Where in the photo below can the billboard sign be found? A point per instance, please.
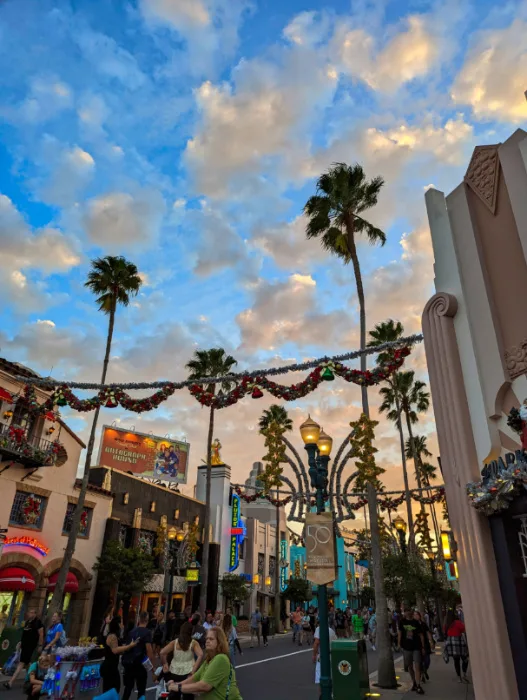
(144, 455)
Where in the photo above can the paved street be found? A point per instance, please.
(282, 671)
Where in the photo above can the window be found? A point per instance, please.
(22, 418)
(146, 541)
(261, 563)
(85, 523)
(241, 549)
(28, 510)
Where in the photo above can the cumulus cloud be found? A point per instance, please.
(47, 97)
(408, 55)
(71, 170)
(258, 121)
(286, 243)
(118, 219)
(308, 28)
(493, 78)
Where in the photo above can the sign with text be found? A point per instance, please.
(237, 533)
(321, 554)
(144, 455)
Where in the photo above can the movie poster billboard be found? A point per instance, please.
(144, 455)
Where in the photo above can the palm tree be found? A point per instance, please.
(209, 363)
(386, 332)
(276, 415)
(343, 193)
(114, 280)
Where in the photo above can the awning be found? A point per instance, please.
(16, 579)
(72, 585)
(5, 395)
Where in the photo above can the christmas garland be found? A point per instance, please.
(112, 396)
(17, 437)
(251, 497)
(493, 495)
(391, 504)
(437, 497)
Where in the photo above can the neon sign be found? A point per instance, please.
(283, 565)
(30, 542)
(237, 533)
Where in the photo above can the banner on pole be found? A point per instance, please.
(321, 552)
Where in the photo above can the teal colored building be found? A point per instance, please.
(343, 592)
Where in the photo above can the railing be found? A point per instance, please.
(30, 450)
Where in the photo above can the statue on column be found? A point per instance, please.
(216, 459)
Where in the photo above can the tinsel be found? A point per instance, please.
(422, 529)
(404, 343)
(437, 497)
(493, 495)
(391, 504)
(274, 457)
(364, 452)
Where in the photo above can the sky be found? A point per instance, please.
(187, 136)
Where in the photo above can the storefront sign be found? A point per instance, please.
(30, 542)
(192, 575)
(493, 469)
(237, 533)
(283, 565)
(321, 555)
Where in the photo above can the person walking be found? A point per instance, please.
(110, 675)
(32, 638)
(158, 634)
(306, 629)
(135, 660)
(209, 621)
(230, 633)
(429, 645)
(358, 626)
(316, 651)
(456, 645)
(266, 624)
(215, 678)
(55, 636)
(170, 627)
(340, 624)
(256, 619)
(296, 619)
(186, 658)
(198, 631)
(411, 641)
(228, 611)
(372, 630)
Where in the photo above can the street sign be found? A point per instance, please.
(321, 554)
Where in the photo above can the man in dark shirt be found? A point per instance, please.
(411, 641)
(32, 636)
(133, 660)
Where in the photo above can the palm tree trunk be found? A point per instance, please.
(206, 521)
(408, 497)
(58, 594)
(277, 569)
(386, 669)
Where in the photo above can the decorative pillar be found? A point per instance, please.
(490, 652)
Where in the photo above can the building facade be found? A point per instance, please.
(36, 507)
(475, 329)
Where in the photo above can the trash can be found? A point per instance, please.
(349, 669)
(8, 641)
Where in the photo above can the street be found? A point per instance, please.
(281, 671)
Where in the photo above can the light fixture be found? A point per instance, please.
(357, 575)
(8, 414)
(310, 431)
(172, 533)
(430, 555)
(51, 430)
(267, 580)
(445, 543)
(180, 536)
(256, 579)
(153, 507)
(324, 443)
(399, 524)
(126, 498)
(176, 514)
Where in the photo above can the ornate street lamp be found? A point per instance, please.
(318, 447)
(400, 526)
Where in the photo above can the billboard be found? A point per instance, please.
(144, 455)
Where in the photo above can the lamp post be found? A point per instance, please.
(318, 447)
(400, 526)
(174, 539)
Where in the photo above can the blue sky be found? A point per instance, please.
(187, 136)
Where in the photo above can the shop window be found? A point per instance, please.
(146, 541)
(85, 523)
(28, 510)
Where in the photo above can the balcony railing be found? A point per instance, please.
(29, 450)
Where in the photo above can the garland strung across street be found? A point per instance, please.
(251, 497)
(111, 396)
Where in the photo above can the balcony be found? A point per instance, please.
(30, 451)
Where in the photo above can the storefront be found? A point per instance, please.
(70, 589)
(16, 586)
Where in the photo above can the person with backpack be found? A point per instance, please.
(139, 659)
(32, 638)
(340, 624)
(55, 636)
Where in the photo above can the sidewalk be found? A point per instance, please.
(443, 683)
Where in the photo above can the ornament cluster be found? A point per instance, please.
(492, 495)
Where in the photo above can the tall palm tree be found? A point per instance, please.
(278, 415)
(343, 193)
(209, 363)
(114, 280)
(386, 332)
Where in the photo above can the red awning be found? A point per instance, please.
(72, 585)
(5, 395)
(50, 416)
(16, 579)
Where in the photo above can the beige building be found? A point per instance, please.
(475, 330)
(36, 507)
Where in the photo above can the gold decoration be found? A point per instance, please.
(215, 458)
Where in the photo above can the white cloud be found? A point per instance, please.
(108, 58)
(307, 28)
(47, 97)
(287, 242)
(493, 78)
(118, 219)
(408, 55)
(179, 13)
